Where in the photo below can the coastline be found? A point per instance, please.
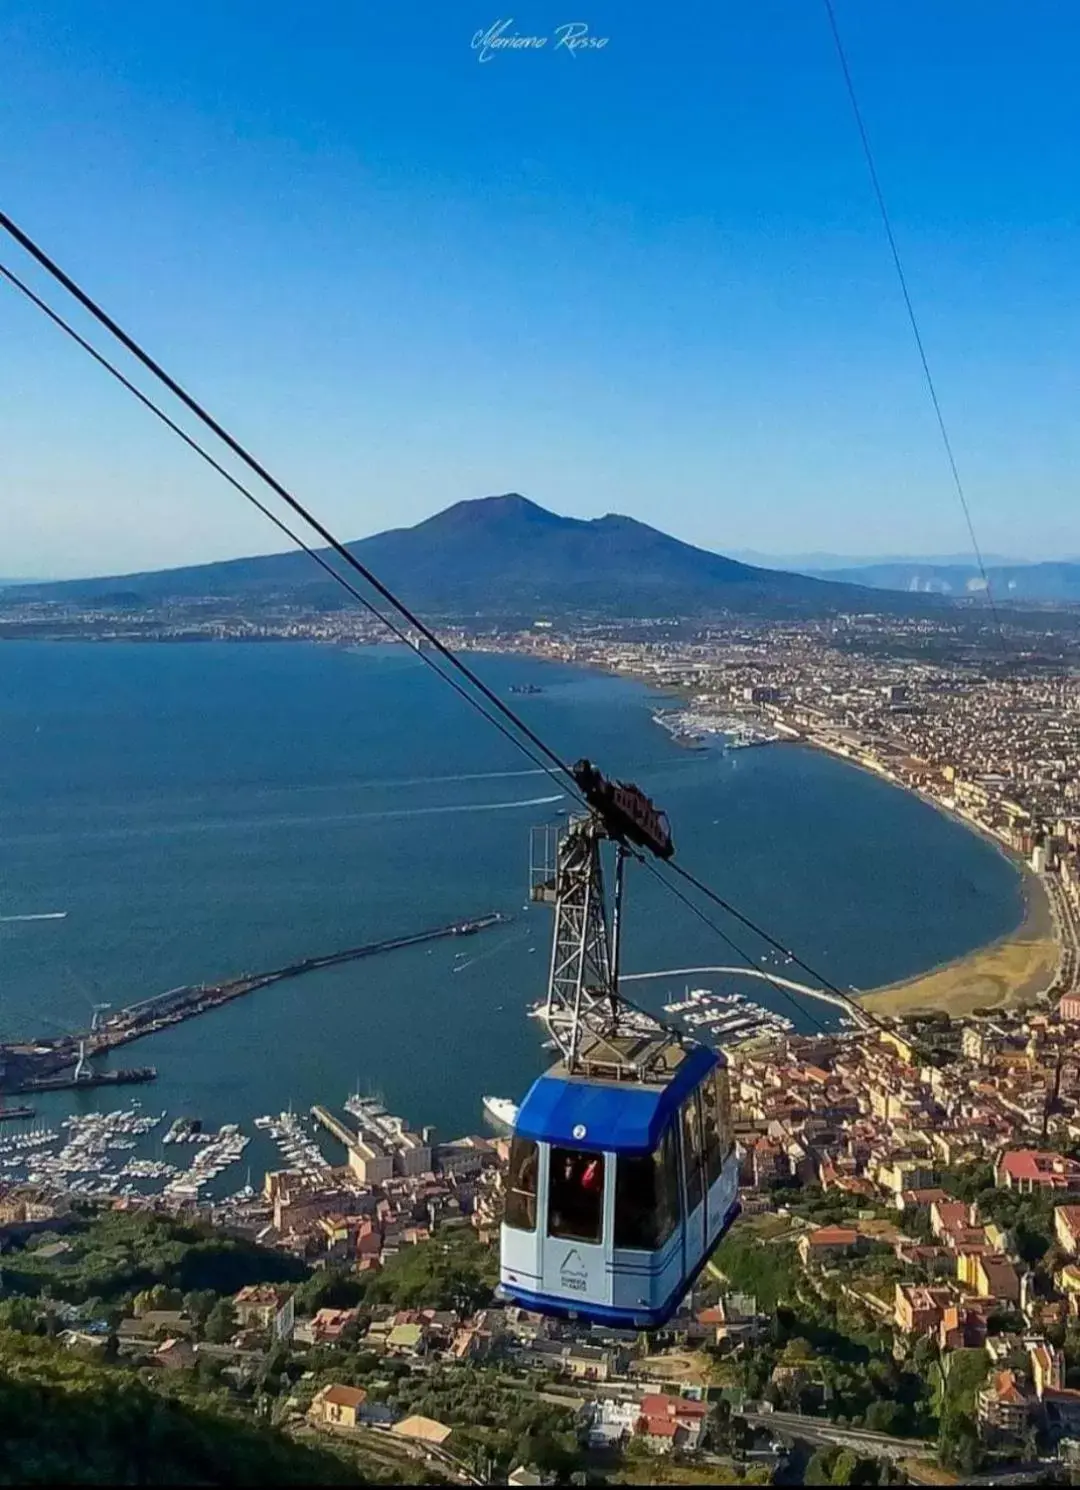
(1003, 972)
(1006, 972)
(1010, 970)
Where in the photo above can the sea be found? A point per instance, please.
(202, 810)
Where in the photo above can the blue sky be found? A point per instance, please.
(648, 279)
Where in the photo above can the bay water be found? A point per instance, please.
(201, 810)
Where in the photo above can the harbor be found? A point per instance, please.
(62, 1062)
(694, 728)
(726, 1019)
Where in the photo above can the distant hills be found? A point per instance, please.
(1055, 583)
(829, 564)
(497, 556)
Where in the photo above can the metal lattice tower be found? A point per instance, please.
(583, 1008)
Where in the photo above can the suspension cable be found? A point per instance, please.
(555, 762)
(313, 553)
(920, 347)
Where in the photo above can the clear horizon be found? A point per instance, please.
(650, 279)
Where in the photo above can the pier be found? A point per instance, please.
(327, 1119)
(23, 1064)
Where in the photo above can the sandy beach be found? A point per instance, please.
(1005, 973)
(1002, 974)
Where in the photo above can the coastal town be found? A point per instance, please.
(995, 744)
(902, 1290)
(900, 1299)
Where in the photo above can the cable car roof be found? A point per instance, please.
(622, 1116)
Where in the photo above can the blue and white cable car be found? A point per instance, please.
(618, 1192)
(623, 1174)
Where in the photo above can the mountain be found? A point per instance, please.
(499, 556)
(1056, 583)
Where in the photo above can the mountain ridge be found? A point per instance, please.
(498, 555)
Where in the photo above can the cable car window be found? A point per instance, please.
(576, 1195)
(647, 1196)
(710, 1117)
(691, 1136)
(723, 1108)
(521, 1185)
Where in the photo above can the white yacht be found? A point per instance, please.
(501, 1109)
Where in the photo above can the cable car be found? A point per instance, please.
(618, 1191)
(623, 1175)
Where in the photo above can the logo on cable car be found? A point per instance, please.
(573, 1274)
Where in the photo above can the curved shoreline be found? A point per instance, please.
(1006, 971)
(1009, 970)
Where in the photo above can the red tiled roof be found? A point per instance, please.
(345, 1396)
(660, 1427)
(833, 1236)
(657, 1405)
(1006, 1390)
(1042, 1168)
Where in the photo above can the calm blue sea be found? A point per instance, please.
(201, 810)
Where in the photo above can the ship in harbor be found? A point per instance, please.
(63, 1081)
(501, 1110)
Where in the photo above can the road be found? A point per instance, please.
(1068, 927)
(820, 1430)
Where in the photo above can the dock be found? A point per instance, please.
(23, 1064)
(326, 1119)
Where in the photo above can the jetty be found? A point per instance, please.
(23, 1064)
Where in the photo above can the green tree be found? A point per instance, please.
(958, 1443)
(18, 1314)
(69, 1422)
(886, 1417)
(819, 1468)
(221, 1322)
(851, 1469)
(198, 1303)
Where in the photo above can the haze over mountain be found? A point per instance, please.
(828, 563)
(502, 555)
(1050, 583)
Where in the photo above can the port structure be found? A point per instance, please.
(34, 1065)
(593, 1027)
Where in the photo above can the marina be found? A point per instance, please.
(727, 1019)
(94, 1156)
(298, 1149)
(695, 727)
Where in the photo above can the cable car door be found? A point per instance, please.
(575, 1256)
